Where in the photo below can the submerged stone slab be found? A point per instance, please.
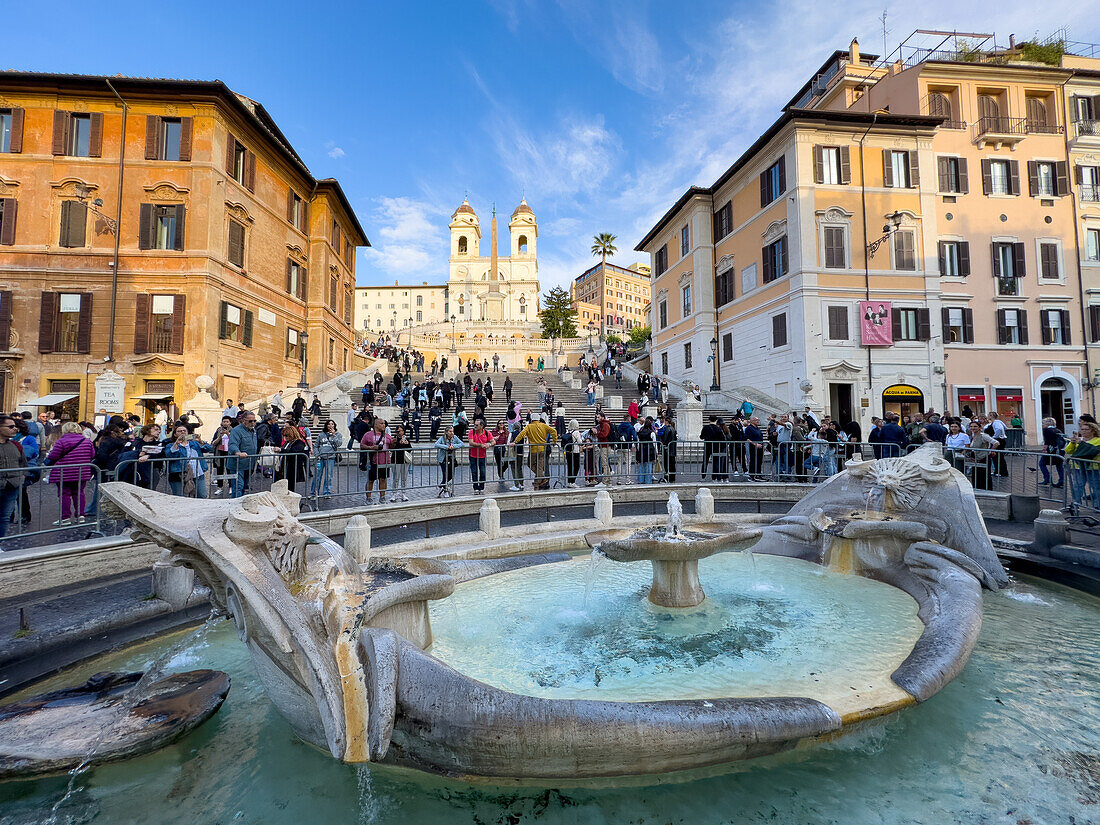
(110, 717)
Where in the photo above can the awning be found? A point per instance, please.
(153, 396)
(49, 400)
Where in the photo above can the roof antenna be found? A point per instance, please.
(885, 31)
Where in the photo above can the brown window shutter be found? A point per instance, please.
(7, 221)
(945, 322)
(924, 324)
(95, 135)
(250, 171)
(964, 258)
(223, 320)
(290, 205)
(987, 176)
(782, 174)
(47, 322)
(305, 217)
(1002, 327)
(145, 226)
(179, 314)
(236, 244)
(914, 169)
(996, 260)
(1094, 324)
(289, 263)
(5, 319)
(887, 169)
(60, 135)
(964, 180)
(968, 326)
(1061, 178)
(1043, 328)
(181, 221)
(943, 166)
(152, 139)
(303, 283)
(1019, 264)
(819, 165)
(1033, 178)
(763, 189)
(246, 333)
(74, 224)
(766, 268)
(186, 128)
(84, 330)
(1067, 337)
(230, 155)
(1021, 315)
(845, 165)
(66, 220)
(1014, 177)
(942, 250)
(16, 143)
(895, 323)
(143, 318)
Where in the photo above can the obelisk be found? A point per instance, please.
(493, 301)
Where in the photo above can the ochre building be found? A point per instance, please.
(614, 298)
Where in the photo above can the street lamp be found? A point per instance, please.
(454, 320)
(591, 328)
(888, 229)
(714, 359)
(303, 340)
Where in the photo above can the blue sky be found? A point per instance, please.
(602, 113)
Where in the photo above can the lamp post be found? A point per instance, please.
(303, 340)
(454, 320)
(591, 328)
(714, 359)
(888, 229)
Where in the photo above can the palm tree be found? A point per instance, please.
(604, 245)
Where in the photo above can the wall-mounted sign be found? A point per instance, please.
(900, 392)
(875, 324)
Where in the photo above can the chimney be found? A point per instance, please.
(853, 51)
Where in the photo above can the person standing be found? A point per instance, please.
(1054, 442)
(326, 448)
(619, 377)
(571, 442)
(377, 443)
(71, 459)
(277, 403)
(185, 453)
(479, 440)
(894, 439)
(243, 449)
(754, 446)
(231, 411)
(435, 416)
(496, 363)
(507, 388)
(712, 437)
(401, 466)
(295, 455)
(647, 452)
(446, 447)
(538, 435)
(12, 461)
(298, 406)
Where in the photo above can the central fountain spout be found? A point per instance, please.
(674, 553)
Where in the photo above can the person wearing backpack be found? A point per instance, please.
(1054, 444)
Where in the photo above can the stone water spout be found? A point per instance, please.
(674, 553)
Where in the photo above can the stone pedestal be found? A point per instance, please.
(489, 519)
(357, 538)
(689, 419)
(704, 504)
(171, 583)
(1051, 529)
(205, 407)
(676, 584)
(613, 402)
(339, 408)
(604, 508)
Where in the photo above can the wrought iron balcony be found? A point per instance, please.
(1000, 130)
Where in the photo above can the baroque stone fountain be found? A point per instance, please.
(341, 643)
(674, 553)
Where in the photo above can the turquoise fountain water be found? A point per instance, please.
(1015, 738)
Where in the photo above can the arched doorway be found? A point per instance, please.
(1056, 401)
(903, 399)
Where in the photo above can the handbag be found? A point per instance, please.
(268, 459)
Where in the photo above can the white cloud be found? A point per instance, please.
(336, 153)
(616, 34)
(574, 156)
(411, 239)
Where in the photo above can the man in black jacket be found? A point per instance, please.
(713, 440)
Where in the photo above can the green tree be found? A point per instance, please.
(559, 319)
(639, 335)
(613, 339)
(604, 245)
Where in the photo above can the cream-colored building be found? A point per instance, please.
(381, 310)
(614, 298)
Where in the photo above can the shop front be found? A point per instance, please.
(903, 399)
(970, 401)
(61, 399)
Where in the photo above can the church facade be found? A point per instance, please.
(490, 287)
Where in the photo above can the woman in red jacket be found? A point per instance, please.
(479, 439)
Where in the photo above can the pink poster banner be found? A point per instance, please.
(875, 324)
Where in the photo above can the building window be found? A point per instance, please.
(170, 138)
(333, 286)
(240, 162)
(954, 259)
(1008, 266)
(687, 356)
(1047, 179)
(775, 259)
(1055, 326)
(167, 138)
(6, 123)
(684, 242)
(838, 323)
(779, 330)
(1049, 265)
(331, 350)
(1088, 178)
(836, 252)
(80, 134)
(347, 306)
(662, 314)
(236, 243)
(723, 221)
(462, 245)
(660, 264)
(74, 223)
(773, 182)
(419, 316)
(1084, 110)
(1011, 326)
(911, 324)
(899, 168)
(68, 322)
(723, 286)
(295, 210)
(664, 363)
(523, 309)
(461, 309)
(1036, 111)
(832, 165)
(727, 346)
(296, 279)
(161, 227)
(420, 300)
(958, 325)
(1094, 324)
(905, 250)
(1092, 245)
(235, 324)
(1000, 177)
(162, 311)
(952, 175)
(939, 105)
(7, 221)
(686, 295)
